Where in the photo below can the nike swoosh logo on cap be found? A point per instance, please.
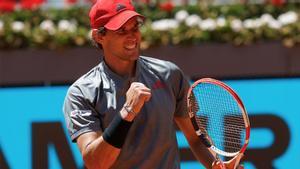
(120, 7)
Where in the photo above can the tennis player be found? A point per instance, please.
(121, 113)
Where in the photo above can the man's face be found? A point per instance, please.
(123, 43)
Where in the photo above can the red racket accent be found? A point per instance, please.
(219, 117)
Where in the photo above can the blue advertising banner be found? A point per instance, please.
(33, 133)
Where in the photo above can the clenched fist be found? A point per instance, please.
(136, 96)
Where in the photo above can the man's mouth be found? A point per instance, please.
(131, 46)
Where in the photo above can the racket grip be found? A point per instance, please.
(218, 164)
(204, 140)
(237, 161)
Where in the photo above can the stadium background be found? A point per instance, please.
(33, 83)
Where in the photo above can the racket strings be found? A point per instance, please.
(235, 123)
(219, 138)
(219, 116)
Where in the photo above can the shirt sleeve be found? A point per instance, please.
(79, 112)
(180, 89)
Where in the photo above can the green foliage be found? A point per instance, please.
(70, 27)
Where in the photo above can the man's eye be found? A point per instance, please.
(136, 28)
(121, 31)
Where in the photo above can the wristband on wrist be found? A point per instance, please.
(116, 132)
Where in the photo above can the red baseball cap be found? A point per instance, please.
(111, 14)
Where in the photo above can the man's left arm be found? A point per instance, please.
(200, 151)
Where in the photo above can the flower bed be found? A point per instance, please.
(183, 25)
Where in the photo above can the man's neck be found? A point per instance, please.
(121, 67)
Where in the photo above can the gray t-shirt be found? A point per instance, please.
(94, 99)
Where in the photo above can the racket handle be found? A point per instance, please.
(237, 160)
(218, 164)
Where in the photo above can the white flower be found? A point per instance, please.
(181, 15)
(1, 25)
(48, 25)
(165, 24)
(221, 22)
(252, 23)
(192, 20)
(248, 23)
(68, 26)
(236, 25)
(208, 25)
(17, 26)
(288, 18)
(274, 24)
(90, 34)
(266, 19)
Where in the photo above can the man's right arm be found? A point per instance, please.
(96, 152)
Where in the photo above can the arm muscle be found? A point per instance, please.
(198, 148)
(96, 152)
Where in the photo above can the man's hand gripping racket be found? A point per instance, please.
(220, 120)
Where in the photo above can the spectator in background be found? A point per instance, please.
(121, 113)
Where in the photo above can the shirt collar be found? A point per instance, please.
(118, 80)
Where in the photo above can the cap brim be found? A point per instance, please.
(120, 19)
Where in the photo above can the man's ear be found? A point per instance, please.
(98, 37)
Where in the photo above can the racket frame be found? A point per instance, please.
(202, 135)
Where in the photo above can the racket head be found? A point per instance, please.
(219, 117)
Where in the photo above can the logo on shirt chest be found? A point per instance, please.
(158, 85)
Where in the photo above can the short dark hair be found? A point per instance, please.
(101, 31)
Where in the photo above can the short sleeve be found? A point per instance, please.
(79, 112)
(180, 89)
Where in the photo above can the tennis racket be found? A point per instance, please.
(219, 118)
